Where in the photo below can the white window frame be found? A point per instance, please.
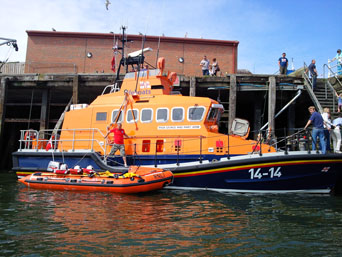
(122, 115)
(197, 107)
(136, 117)
(178, 107)
(141, 112)
(167, 115)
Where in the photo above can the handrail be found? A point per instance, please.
(26, 143)
(330, 68)
(308, 85)
(334, 73)
(92, 139)
(327, 82)
(284, 108)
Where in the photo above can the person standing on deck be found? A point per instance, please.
(336, 133)
(318, 129)
(283, 62)
(119, 135)
(327, 126)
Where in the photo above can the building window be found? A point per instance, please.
(196, 113)
(101, 116)
(130, 118)
(162, 115)
(115, 113)
(146, 115)
(177, 114)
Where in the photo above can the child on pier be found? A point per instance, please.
(339, 103)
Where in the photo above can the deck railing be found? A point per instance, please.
(39, 140)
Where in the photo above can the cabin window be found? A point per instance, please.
(162, 115)
(101, 116)
(177, 114)
(146, 115)
(115, 113)
(130, 118)
(213, 114)
(196, 113)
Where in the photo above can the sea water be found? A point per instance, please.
(166, 223)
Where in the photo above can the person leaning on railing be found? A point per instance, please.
(338, 57)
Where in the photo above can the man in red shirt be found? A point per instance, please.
(119, 135)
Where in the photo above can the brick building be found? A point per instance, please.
(76, 52)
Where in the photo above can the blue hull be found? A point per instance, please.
(274, 172)
(38, 161)
(277, 173)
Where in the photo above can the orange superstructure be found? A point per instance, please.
(163, 126)
(157, 120)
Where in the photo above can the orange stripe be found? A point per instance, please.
(241, 167)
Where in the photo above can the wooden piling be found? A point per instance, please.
(75, 85)
(43, 110)
(192, 86)
(232, 102)
(2, 104)
(271, 105)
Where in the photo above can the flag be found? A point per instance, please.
(115, 48)
(113, 64)
(49, 145)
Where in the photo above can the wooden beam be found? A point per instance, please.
(271, 105)
(192, 86)
(232, 102)
(3, 87)
(291, 118)
(14, 120)
(43, 110)
(75, 84)
(257, 118)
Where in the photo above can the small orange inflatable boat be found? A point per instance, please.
(135, 180)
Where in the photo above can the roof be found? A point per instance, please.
(132, 37)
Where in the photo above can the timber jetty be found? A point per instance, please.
(37, 100)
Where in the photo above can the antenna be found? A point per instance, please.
(141, 58)
(158, 51)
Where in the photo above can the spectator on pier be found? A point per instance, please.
(214, 68)
(336, 133)
(119, 135)
(318, 129)
(339, 101)
(338, 57)
(205, 66)
(283, 62)
(327, 126)
(313, 73)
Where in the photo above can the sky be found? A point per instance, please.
(305, 30)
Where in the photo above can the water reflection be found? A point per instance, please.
(134, 224)
(167, 223)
